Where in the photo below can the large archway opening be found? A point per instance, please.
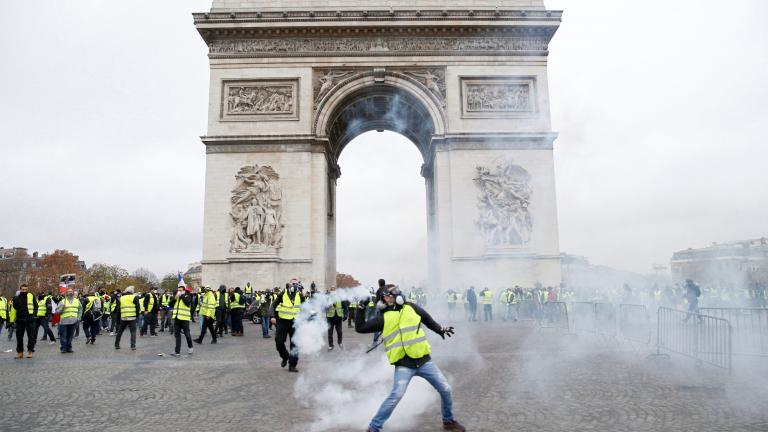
(381, 223)
(381, 218)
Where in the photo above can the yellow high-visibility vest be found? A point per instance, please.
(181, 311)
(335, 310)
(486, 297)
(403, 335)
(127, 308)
(208, 305)
(236, 302)
(41, 308)
(70, 309)
(3, 308)
(288, 309)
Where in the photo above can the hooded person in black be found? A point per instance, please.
(221, 310)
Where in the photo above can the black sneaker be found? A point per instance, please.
(213, 341)
(117, 347)
(284, 363)
(197, 341)
(292, 369)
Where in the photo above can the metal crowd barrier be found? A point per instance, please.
(605, 319)
(555, 315)
(750, 328)
(704, 338)
(582, 316)
(527, 310)
(635, 323)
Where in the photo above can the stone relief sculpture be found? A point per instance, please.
(259, 100)
(432, 79)
(326, 81)
(498, 98)
(256, 210)
(293, 46)
(504, 204)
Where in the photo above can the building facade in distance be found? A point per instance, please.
(736, 264)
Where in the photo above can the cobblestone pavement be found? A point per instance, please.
(504, 378)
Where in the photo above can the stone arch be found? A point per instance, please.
(341, 113)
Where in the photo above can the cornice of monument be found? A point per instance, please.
(376, 16)
(381, 33)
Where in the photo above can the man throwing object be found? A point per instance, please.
(408, 350)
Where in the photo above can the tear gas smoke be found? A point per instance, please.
(347, 391)
(310, 323)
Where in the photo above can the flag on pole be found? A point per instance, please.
(181, 281)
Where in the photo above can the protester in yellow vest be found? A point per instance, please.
(284, 310)
(486, 299)
(402, 325)
(222, 309)
(181, 314)
(208, 312)
(237, 308)
(3, 312)
(25, 314)
(127, 309)
(44, 314)
(71, 311)
(335, 314)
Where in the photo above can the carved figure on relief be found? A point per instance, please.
(432, 81)
(490, 98)
(327, 82)
(260, 100)
(504, 204)
(256, 210)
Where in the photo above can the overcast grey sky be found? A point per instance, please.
(661, 108)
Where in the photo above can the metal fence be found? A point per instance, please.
(750, 328)
(582, 316)
(605, 319)
(701, 337)
(555, 315)
(635, 323)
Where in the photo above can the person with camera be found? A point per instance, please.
(284, 311)
(407, 349)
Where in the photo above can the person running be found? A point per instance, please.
(407, 349)
(208, 314)
(284, 311)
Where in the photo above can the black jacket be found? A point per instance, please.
(20, 304)
(376, 324)
(155, 306)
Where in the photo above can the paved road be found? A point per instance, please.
(504, 378)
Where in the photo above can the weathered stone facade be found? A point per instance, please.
(293, 82)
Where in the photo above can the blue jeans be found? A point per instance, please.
(66, 331)
(264, 326)
(403, 375)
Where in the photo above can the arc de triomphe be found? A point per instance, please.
(292, 82)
